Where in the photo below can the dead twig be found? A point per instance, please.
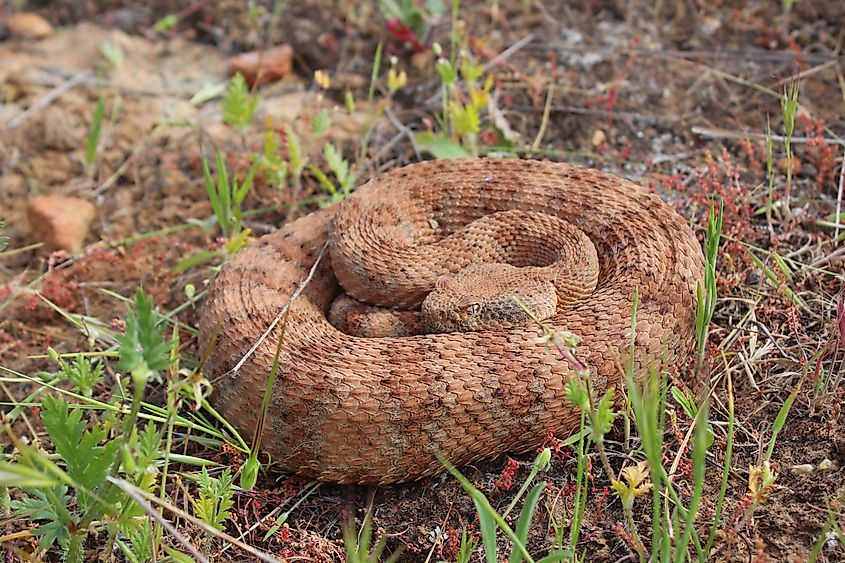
(280, 315)
(501, 57)
(713, 133)
(504, 55)
(809, 72)
(145, 500)
(404, 129)
(547, 110)
(136, 495)
(48, 99)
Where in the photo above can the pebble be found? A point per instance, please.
(60, 222)
(263, 67)
(28, 25)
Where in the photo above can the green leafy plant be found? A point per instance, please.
(215, 498)
(73, 496)
(87, 463)
(340, 168)
(409, 20)
(144, 351)
(272, 165)
(113, 53)
(359, 545)
(239, 104)
(88, 456)
(166, 23)
(83, 372)
(466, 548)
(648, 403)
(227, 196)
(464, 98)
(706, 296)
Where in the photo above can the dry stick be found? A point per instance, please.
(840, 253)
(134, 494)
(772, 339)
(729, 55)
(100, 82)
(439, 539)
(16, 536)
(714, 133)
(14, 401)
(809, 72)
(388, 146)
(503, 56)
(272, 514)
(281, 314)
(509, 51)
(627, 115)
(547, 110)
(48, 99)
(140, 496)
(768, 92)
(838, 217)
(404, 129)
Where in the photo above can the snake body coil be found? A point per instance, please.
(349, 409)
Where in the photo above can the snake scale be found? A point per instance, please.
(349, 409)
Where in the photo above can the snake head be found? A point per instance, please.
(481, 297)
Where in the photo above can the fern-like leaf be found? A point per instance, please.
(87, 462)
(215, 502)
(239, 105)
(38, 507)
(144, 351)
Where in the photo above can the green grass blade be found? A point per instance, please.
(725, 468)
(244, 188)
(94, 135)
(699, 464)
(486, 513)
(780, 420)
(487, 525)
(559, 555)
(223, 191)
(216, 204)
(15, 475)
(524, 522)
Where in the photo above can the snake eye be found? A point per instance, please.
(473, 309)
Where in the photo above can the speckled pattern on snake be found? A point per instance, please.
(350, 409)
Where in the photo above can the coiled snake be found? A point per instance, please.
(351, 409)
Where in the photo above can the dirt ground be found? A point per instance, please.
(674, 95)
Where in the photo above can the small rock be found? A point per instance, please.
(262, 67)
(60, 222)
(599, 138)
(28, 25)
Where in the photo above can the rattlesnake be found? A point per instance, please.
(349, 409)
